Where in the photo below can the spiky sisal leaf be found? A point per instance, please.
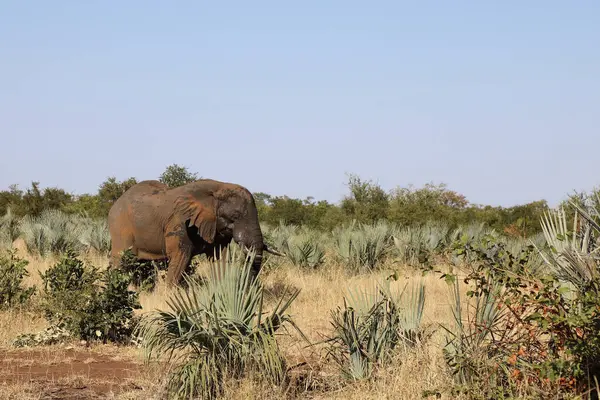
(363, 246)
(371, 324)
(217, 329)
(573, 253)
(466, 351)
(305, 250)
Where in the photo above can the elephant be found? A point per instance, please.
(157, 222)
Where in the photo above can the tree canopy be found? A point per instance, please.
(366, 201)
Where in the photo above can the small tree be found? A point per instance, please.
(110, 190)
(367, 202)
(176, 175)
(12, 271)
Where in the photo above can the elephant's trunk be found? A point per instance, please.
(251, 239)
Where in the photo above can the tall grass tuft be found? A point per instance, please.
(94, 234)
(51, 232)
(217, 330)
(9, 229)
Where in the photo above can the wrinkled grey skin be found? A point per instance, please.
(159, 223)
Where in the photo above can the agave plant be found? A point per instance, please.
(416, 245)
(371, 324)
(573, 254)
(281, 235)
(468, 351)
(94, 234)
(363, 246)
(216, 330)
(303, 247)
(305, 251)
(51, 232)
(472, 231)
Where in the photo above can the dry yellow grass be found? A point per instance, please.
(322, 291)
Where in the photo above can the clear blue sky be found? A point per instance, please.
(500, 100)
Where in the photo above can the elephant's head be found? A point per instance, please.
(225, 210)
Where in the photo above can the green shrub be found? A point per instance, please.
(303, 246)
(473, 231)
(528, 333)
(217, 330)
(90, 304)
(111, 315)
(143, 273)
(49, 336)
(12, 271)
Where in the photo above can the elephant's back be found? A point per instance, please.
(139, 194)
(145, 188)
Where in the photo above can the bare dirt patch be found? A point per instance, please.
(67, 373)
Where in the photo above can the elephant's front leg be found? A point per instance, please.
(179, 251)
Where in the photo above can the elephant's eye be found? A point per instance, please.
(225, 224)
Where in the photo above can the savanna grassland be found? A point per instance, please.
(407, 294)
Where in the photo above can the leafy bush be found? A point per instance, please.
(217, 330)
(111, 315)
(176, 175)
(143, 273)
(88, 303)
(12, 271)
(531, 333)
(371, 325)
(471, 347)
(49, 336)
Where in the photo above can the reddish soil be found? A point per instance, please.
(61, 373)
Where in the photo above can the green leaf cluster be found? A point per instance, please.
(12, 272)
(88, 303)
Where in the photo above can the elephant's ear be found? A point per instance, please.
(199, 213)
